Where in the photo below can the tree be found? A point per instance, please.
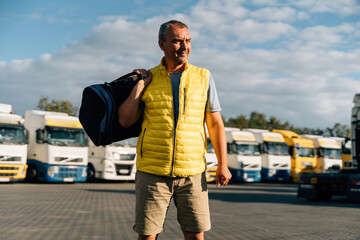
(258, 121)
(57, 106)
(338, 130)
(238, 122)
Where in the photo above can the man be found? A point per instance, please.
(175, 99)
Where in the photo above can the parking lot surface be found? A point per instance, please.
(105, 210)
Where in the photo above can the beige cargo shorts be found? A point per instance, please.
(153, 197)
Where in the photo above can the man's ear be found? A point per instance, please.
(161, 44)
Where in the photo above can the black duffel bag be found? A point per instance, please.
(99, 110)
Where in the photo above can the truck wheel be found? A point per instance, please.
(31, 174)
(324, 194)
(90, 173)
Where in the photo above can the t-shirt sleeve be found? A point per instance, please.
(212, 104)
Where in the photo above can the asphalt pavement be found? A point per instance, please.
(105, 210)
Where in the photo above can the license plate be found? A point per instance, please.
(250, 180)
(4, 179)
(68, 180)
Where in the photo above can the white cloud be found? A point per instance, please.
(343, 7)
(275, 14)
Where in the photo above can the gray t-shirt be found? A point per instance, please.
(212, 104)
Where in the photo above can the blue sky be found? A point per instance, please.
(296, 60)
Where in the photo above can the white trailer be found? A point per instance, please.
(13, 145)
(113, 162)
(244, 158)
(57, 147)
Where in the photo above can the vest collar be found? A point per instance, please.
(163, 69)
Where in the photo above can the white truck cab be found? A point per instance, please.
(244, 158)
(113, 162)
(275, 158)
(328, 153)
(57, 147)
(13, 145)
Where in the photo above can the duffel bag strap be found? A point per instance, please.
(139, 77)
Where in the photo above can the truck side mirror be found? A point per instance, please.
(26, 136)
(291, 151)
(39, 136)
(262, 148)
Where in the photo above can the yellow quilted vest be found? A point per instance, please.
(161, 150)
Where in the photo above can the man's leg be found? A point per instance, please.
(147, 237)
(193, 235)
(153, 195)
(192, 202)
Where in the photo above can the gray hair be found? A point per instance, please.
(165, 26)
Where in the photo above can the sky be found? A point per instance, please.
(296, 60)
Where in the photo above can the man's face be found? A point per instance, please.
(177, 45)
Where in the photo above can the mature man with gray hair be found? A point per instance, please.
(175, 99)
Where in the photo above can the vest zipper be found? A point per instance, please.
(184, 100)
(142, 141)
(174, 142)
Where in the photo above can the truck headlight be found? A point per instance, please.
(22, 172)
(50, 172)
(116, 156)
(271, 172)
(84, 172)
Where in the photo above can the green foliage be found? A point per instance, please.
(57, 106)
(259, 121)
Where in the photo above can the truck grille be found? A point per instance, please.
(278, 165)
(123, 170)
(8, 174)
(67, 172)
(9, 168)
(129, 156)
(68, 159)
(306, 164)
(250, 165)
(9, 158)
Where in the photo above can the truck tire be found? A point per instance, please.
(324, 193)
(90, 173)
(32, 174)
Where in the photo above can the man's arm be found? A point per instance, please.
(130, 111)
(216, 130)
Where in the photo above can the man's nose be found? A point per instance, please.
(183, 45)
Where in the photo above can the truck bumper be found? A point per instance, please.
(275, 174)
(12, 172)
(240, 175)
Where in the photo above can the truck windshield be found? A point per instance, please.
(330, 153)
(12, 134)
(130, 142)
(66, 136)
(247, 149)
(305, 152)
(276, 148)
(210, 148)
